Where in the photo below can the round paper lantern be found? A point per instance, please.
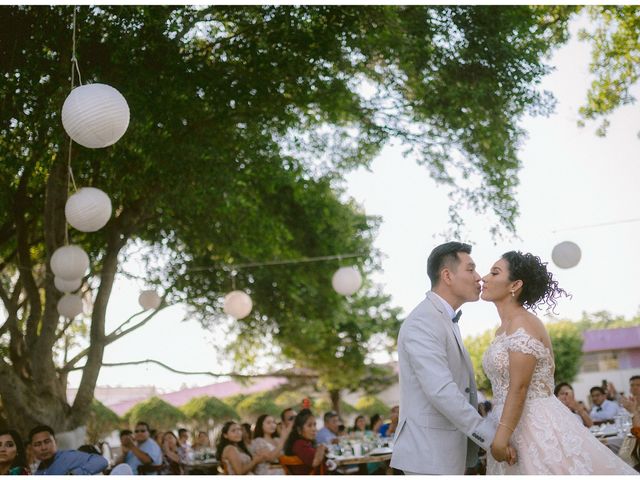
(346, 280)
(69, 262)
(70, 306)
(67, 286)
(237, 304)
(95, 115)
(149, 300)
(566, 254)
(88, 210)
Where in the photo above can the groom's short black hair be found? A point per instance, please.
(445, 254)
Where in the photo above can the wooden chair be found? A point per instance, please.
(287, 461)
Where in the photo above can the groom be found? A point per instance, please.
(439, 420)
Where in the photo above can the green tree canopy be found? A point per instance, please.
(370, 405)
(566, 339)
(157, 413)
(257, 404)
(102, 421)
(202, 409)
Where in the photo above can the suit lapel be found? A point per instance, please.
(456, 333)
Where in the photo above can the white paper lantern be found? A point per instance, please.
(69, 262)
(88, 210)
(70, 306)
(566, 255)
(67, 286)
(237, 304)
(95, 115)
(149, 299)
(347, 280)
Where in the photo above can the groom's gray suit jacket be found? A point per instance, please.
(439, 428)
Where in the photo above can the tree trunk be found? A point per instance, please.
(335, 400)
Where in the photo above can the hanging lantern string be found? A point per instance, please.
(74, 68)
(618, 222)
(279, 262)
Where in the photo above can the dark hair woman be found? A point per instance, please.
(520, 365)
(233, 453)
(13, 457)
(265, 440)
(359, 425)
(301, 443)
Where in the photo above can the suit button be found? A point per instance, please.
(467, 390)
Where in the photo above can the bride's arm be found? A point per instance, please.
(521, 367)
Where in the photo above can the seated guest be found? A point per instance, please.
(389, 429)
(13, 457)
(62, 462)
(172, 461)
(564, 392)
(359, 425)
(143, 451)
(376, 423)
(264, 441)
(329, 433)
(631, 402)
(603, 410)
(300, 443)
(184, 445)
(202, 443)
(233, 453)
(287, 416)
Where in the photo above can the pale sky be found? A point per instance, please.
(570, 178)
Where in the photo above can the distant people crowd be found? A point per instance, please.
(241, 448)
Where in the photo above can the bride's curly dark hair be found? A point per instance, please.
(538, 285)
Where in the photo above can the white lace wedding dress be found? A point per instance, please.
(548, 438)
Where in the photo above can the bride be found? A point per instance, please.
(520, 365)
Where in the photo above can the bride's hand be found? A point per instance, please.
(504, 453)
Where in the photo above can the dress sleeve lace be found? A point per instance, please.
(521, 341)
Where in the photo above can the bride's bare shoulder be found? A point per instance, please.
(531, 324)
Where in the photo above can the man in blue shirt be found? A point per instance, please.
(329, 433)
(389, 429)
(62, 462)
(144, 451)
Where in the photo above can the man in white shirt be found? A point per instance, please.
(603, 410)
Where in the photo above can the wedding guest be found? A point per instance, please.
(264, 441)
(328, 434)
(62, 462)
(359, 425)
(302, 444)
(172, 460)
(565, 394)
(603, 410)
(13, 456)
(202, 442)
(144, 450)
(232, 451)
(631, 403)
(376, 423)
(389, 429)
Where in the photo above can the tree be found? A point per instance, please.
(157, 413)
(615, 40)
(102, 420)
(243, 122)
(476, 346)
(254, 405)
(566, 339)
(202, 409)
(322, 405)
(370, 405)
